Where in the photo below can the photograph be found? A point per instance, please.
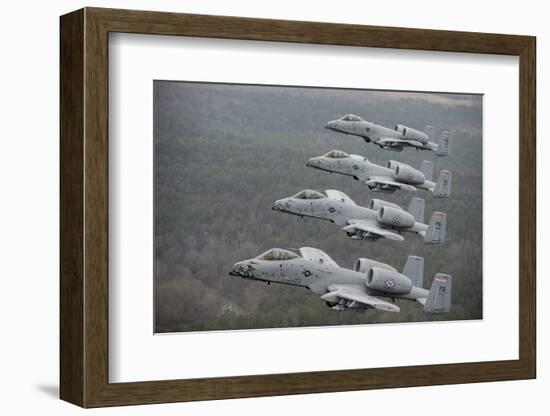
(282, 206)
(238, 182)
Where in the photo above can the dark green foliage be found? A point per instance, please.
(224, 154)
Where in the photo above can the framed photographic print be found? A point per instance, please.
(234, 189)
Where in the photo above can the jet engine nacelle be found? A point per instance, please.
(376, 204)
(392, 164)
(396, 218)
(412, 134)
(405, 173)
(388, 281)
(363, 265)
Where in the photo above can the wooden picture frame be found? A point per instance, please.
(84, 207)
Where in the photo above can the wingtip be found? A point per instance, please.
(389, 308)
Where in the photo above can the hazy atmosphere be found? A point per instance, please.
(224, 153)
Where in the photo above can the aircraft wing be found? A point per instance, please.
(359, 295)
(317, 256)
(396, 142)
(369, 227)
(381, 180)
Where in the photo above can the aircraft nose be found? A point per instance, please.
(330, 125)
(240, 269)
(278, 205)
(313, 162)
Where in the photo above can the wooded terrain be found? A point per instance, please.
(225, 153)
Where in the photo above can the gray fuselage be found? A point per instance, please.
(312, 275)
(360, 168)
(339, 211)
(390, 139)
(365, 129)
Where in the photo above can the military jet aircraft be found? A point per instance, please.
(380, 220)
(395, 139)
(370, 285)
(378, 178)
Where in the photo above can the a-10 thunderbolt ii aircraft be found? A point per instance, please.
(395, 139)
(380, 220)
(395, 175)
(370, 285)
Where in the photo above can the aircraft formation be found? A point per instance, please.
(370, 284)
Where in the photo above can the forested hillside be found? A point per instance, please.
(225, 153)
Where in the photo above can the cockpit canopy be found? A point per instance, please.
(309, 194)
(277, 254)
(351, 117)
(336, 154)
